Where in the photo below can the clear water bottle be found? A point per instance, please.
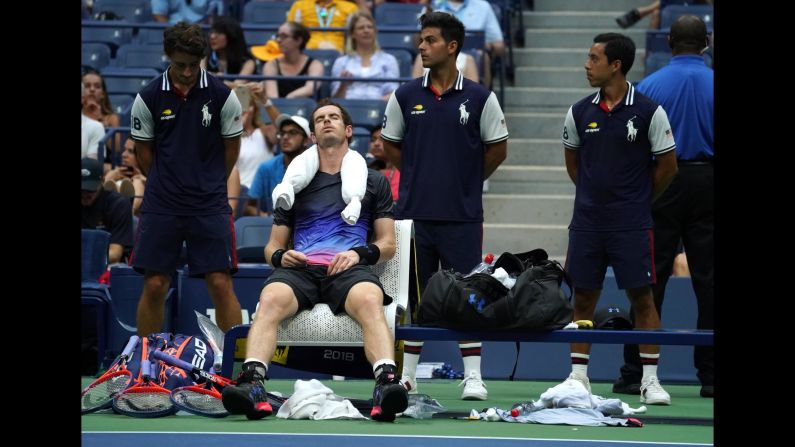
(483, 267)
(422, 406)
(523, 408)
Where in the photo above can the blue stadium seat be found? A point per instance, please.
(655, 61)
(291, 106)
(128, 10)
(361, 140)
(474, 41)
(113, 37)
(251, 236)
(256, 37)
(398, 14)
(657, 40)
(404, 59)
(402, 40)
(150, 36)
(94, 254)
(367, 113)
(141, 56)
(95, 55)
(127, 80)
(670, 13)
(327, 58)
(120, 102)
(266, 12)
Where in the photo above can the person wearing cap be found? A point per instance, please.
(186, 126)
(323, 14)
(685, 211)
(447, 135)
(290, 61)
(105, 210)
(293, 135)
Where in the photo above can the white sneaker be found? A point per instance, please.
(652, 393)
(409, 383)
(582, 379)
(474, 388)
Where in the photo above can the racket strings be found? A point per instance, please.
(101, 393)
(198, 401)
(144, 401)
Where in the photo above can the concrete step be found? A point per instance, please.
(545, 96)
(535, 124)
(541, 209)
(536, 76)
(577, 37)
(557, 57)
(587, 5)
(514, 238)
(535, 151)
(528, 179)
(577, 19)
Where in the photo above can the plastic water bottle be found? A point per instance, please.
(523, 408)
(422, 406)
(483, 267)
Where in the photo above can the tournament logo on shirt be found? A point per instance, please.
(418, 110)
(593, 127)
(167, 115)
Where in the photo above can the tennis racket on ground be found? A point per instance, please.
(199, 400)
(100, 393)
(146, 399)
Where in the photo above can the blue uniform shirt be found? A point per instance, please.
(685, 88)
(188, 172)
(615, 164)
(269, 174)
(443, 144)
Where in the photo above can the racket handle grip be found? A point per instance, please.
(134, 339)
(173, 361)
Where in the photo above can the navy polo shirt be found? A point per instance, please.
(685, 88)
(188, 172)
(443, 143)
(614, 160)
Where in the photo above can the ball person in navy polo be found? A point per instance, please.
(446, 134)
(620, 154)
(186, 126)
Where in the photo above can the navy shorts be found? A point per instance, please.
(454, 245)
(209, 242)
(630, 253)
(311, 285)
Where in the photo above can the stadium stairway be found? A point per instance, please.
(529, 199)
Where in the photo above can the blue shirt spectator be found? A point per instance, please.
(475, 15)
(269, 174)
(193, 11)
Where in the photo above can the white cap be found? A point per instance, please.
(300, 121)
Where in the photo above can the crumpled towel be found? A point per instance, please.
(573, 394)
(313, 400)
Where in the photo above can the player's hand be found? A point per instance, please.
(343, 261)
(292, 258)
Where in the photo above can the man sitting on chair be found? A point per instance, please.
(329, 263)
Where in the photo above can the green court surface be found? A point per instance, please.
(666, 424)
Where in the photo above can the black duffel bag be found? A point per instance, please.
(536, 301)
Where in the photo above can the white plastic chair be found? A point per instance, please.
(320, 327)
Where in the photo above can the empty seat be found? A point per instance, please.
(291, 106)
(405, 40)
(367, 113)
(113, 37)
(128, 10)
(404, 59)
(120, 102)
(94, 254)
(670, 13)
(266, 12)
(127, 80)
(256, 36)
(95, 55)
(657, 40)
(398, 14)
(251, 236)
(361, 140)
(150, 36)
(141, 56)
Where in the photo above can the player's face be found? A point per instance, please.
(185, 68)
(434, 50)
(598, 71)
(330, 129)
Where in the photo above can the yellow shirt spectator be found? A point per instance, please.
(325, 14)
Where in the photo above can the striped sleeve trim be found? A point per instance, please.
(497, 140)
(394, 140)
(667, 149)
(236, 134)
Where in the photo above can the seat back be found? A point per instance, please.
(93, 254)
(266, 12)
(251, 236)
(291, 106)
(404, 60)
(367, 113)
(320, 327)
(113, 37)
(133, 55)
(398, 14)
(670, 13)
(128, 10)
(130, 81)
(360, 142)
(95, 55)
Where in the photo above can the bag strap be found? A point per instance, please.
(516, 362)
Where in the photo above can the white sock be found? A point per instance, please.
(579, 364)
(471, 362)
(410, 360)
(253, 359)
(649, 362)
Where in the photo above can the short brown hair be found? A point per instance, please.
(185, 37)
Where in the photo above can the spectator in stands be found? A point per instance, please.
(105, 210)
(389, 170)
(685, 211)
(292, 38)
(91, 133)
(444, 198)
(294, 138)
(616, 129)
(321, 267)
(229, 50)
(633, 16)
(254, 147)
(191, 11)
(465, 63)
(126, 178)
(186, 192)
(363, 58)
(323, 14)
(477, 15)
(97, 106)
